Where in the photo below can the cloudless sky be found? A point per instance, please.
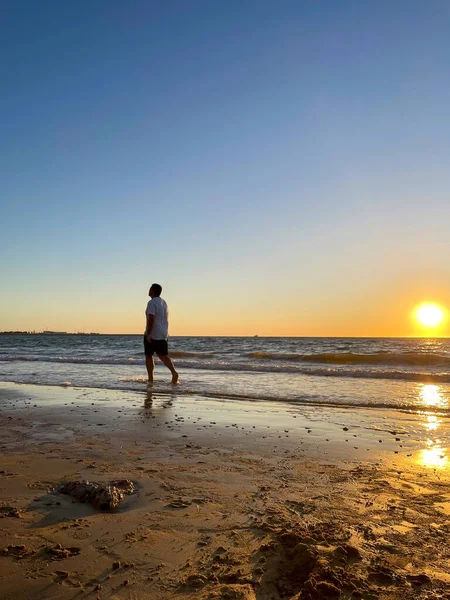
(280, 167)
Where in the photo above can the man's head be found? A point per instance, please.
(155, 290)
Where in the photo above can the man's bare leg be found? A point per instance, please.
(150, 367)
(169, 364)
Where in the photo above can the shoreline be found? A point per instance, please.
(329, 426)
(218, 481)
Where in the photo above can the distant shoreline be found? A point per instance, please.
(48, 333)
(261, 337)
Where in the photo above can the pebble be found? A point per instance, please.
(63, 574)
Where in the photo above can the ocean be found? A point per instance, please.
(407, 374)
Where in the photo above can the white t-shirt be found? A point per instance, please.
(158, 308)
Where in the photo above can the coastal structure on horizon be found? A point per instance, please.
(47, 332)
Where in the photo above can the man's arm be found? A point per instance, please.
(148, 329)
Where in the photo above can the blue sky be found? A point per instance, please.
(280, 167)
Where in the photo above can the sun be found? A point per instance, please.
(429, 315)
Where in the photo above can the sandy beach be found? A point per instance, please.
(225, 300)
(237, 500)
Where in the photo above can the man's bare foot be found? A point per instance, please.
(150, 382)
(175, 378)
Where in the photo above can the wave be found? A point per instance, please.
(180, 354)
(422, 377)
(359, 371)
(349, 358)
(73, 359)
(388, 359)
(106, 360)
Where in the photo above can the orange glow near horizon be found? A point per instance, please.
(387, 312)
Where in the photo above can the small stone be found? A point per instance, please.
(195, 580)
(116, 565)
(63, 574)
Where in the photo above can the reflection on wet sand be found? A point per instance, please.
(150, 397)
(432, 396)
(435, 457)
(432, 423)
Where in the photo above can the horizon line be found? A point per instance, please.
(374, 337)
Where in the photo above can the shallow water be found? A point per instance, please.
(393, 373)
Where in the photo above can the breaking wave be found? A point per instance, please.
(180, 354)
(361, 366)
(340, 358)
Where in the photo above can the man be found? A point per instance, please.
(157, 332)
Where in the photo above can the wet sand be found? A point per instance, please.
(234, 499)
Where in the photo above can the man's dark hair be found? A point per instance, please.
(156, 289)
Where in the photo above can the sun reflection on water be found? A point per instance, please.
(432, 396)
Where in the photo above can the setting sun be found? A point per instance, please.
(429, 315)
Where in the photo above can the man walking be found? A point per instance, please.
(157, 332)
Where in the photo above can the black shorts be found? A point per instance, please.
(159, 347)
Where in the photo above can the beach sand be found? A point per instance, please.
(234, 499)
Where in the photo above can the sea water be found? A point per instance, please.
(407, 374)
